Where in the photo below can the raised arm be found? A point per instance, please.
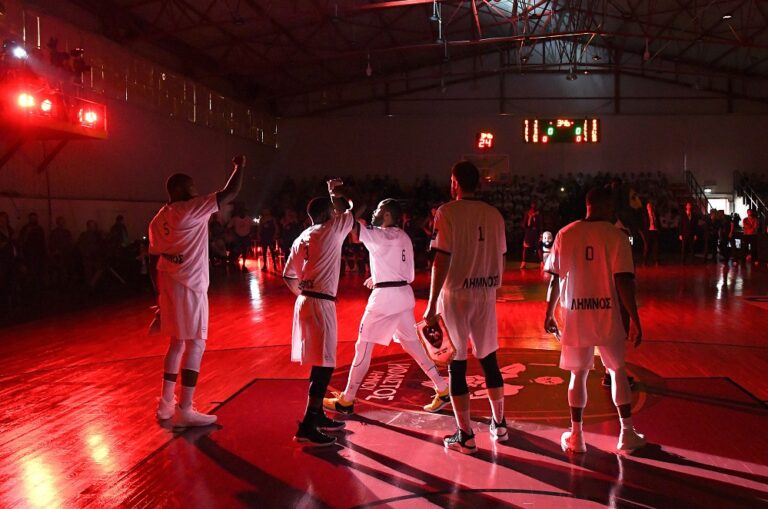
(234, 184)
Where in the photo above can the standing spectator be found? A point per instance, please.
(725, 232)
(735, 234)
(7, 261)
(118, 234)
(241, 225)
(33, 250)
(711, 225)
(91, 247)
(533, 227)
(751, 227)
(687, 233)
(651, 227)
(267, 237)
(290, 229)
(61, 248)
(217, 239)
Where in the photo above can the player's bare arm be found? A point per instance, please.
(234, 184)
(553, 295)
(625, 287)
(440, 268)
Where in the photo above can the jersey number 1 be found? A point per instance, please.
(481, 239)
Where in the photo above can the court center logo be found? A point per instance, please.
(535, 388)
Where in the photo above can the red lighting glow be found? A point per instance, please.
(26, 101)
(88, 117)
(484, 140)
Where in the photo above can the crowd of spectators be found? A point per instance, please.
(32, 260)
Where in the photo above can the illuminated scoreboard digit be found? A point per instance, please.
(484, 140)
(561, 130)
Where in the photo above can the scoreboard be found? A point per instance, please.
(561, 130)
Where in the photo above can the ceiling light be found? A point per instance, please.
(596, 58)
(19, 52)
(727, 16)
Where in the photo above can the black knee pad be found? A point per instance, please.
(493, 379)
(319, 378)
(458, 378)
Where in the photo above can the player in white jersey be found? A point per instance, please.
(178, 243)
(469, 244)
(592, 278)
(312, 274)
(389, 312)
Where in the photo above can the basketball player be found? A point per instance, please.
(390, 307)
(178, 239)
(592, 275)
(312, 274)
(469, 245)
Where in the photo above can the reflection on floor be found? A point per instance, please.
(77, 426)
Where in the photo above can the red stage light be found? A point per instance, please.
(88, 117)
(26, 101)
(46, 106)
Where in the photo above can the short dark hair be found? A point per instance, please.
(466, 175)
(599, 196)
(317, 207)
(176, 181)
(393, 207)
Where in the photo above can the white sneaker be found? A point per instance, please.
(573, 442)
(165, 409)
(190, 417)
(629, 440)
(499, 430)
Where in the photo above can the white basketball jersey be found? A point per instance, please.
(391, 253)
(586, 256)
(180, 231)
(472, 232)
(315, 257)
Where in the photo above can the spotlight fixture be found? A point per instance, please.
(707, 190)
(571, 76)
(524, 59)
(19, 52)
(727, 16)
(596, 58)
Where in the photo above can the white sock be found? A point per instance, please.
(463, 420)
(497, 407)
(626, 422)
(169, 388)
(415, 350)
(360, 365)
(576, 427)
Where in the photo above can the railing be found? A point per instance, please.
(750, 197)
(698, 193)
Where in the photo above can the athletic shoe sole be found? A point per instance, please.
(308, 443)
(460, 448)
(500, 438)
(435, 410)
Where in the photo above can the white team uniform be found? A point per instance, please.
(315, 259)
(179, 234)
(389, 312)
(472, 232)
(586, 256)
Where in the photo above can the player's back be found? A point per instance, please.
(391, 253)
(315, 257)
(472, 232)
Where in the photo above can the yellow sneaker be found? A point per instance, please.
(338, 404)
(440, 401)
